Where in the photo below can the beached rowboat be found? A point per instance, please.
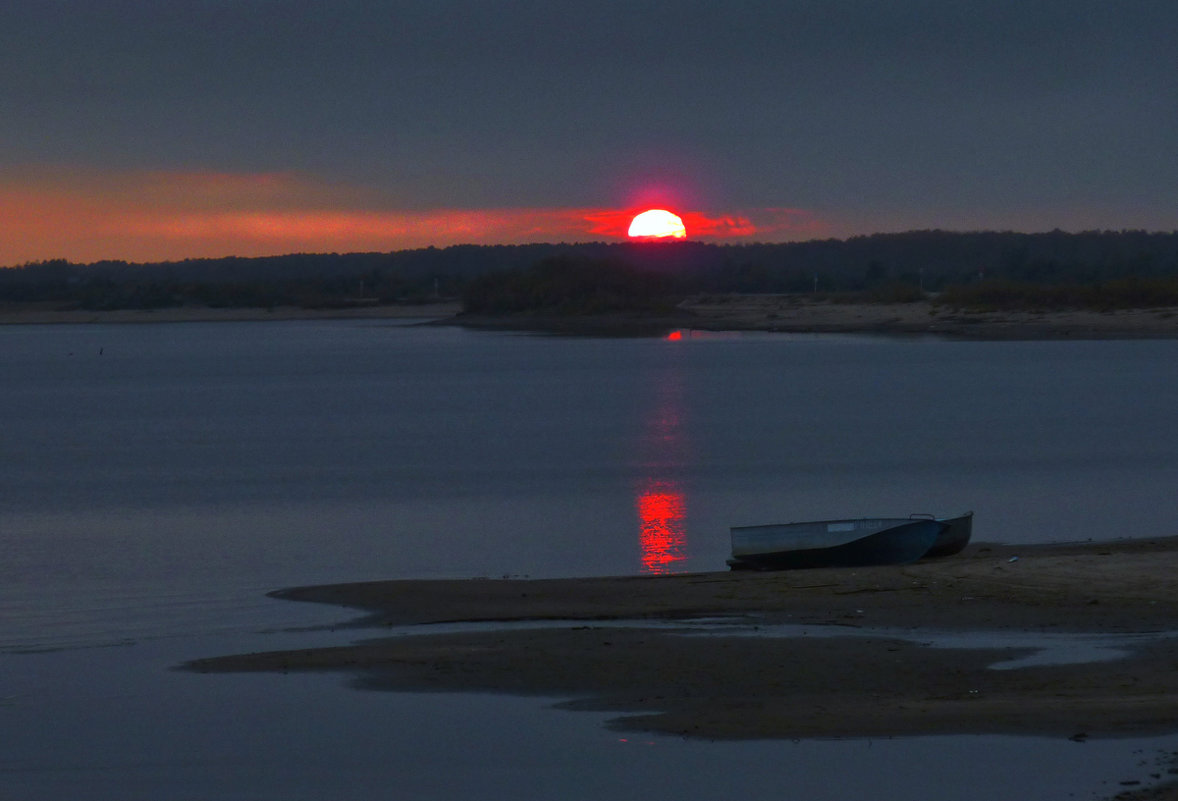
(847, 543)
(954, 538)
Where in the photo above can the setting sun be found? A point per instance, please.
(657, 224)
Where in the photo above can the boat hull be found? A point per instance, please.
(954, 538)
(833, 543)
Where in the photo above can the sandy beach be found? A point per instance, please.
(881, 679)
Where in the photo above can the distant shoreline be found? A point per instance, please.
(33, 314)
(797, 314)
(770, 313)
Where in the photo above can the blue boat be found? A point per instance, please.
(847, 543)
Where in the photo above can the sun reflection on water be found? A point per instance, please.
(660, 499)
(660, 513)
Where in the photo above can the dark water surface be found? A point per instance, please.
(157, 480)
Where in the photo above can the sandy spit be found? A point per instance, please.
(871, 684)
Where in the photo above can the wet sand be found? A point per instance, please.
(870, 684)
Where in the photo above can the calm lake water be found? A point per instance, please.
(157, 480)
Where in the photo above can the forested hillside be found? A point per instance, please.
(928, 261)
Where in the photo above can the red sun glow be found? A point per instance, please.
(657, 224)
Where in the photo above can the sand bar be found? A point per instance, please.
(869, 684)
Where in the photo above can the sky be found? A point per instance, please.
(167, 129)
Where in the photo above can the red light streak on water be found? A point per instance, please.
(660, 499)
(661, 508)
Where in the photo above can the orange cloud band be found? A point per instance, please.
(166, 216)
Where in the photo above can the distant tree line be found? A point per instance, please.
(572, 285)
(970, 267)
